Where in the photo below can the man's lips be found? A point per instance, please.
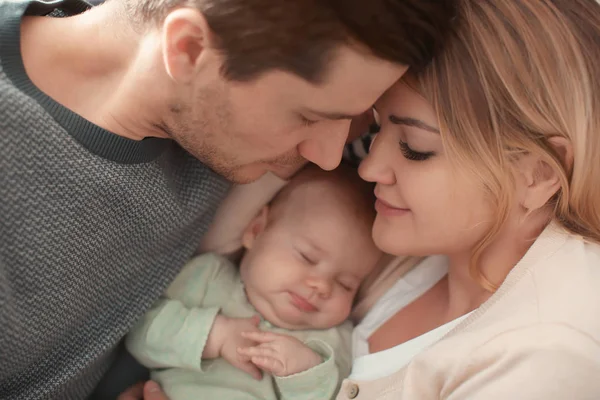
(301, 303)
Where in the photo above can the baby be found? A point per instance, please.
(283, 313)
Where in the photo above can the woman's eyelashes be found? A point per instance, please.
(406, 150)
(413, 155)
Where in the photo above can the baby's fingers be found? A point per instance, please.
(269, 364)
(243, 358)
(257, 351)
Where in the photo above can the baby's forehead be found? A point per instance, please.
(322, 193)
(325, 211)
(321, 207)
(334, 231)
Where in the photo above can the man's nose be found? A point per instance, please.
(326, 143)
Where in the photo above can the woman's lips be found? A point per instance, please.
(385, 208)
(301, 303)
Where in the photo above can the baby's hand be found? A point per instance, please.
(280, 355)
(227, 332)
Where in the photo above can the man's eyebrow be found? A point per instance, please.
(417, 123)
(333, 115)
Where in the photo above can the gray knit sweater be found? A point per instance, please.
(93, 227)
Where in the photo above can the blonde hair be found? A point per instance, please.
(513, 74)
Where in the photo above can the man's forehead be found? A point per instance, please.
(350, 64)
(352, 84)
(355, 80)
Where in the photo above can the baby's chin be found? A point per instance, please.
(283, 318)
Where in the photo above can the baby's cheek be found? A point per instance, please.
(343, 308)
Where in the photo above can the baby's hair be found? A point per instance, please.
(349, 189)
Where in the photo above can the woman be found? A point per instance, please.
(491, 157)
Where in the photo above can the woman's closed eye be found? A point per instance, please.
(413, 155)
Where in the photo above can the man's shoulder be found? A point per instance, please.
(12, 100)
(26, 128)
(7, 88)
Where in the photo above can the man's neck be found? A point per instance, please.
(88, 63)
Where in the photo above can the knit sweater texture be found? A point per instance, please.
(93, 227)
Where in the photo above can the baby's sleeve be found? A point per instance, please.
(173, 333)
(322, 381)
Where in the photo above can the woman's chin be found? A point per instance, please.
(397, 241)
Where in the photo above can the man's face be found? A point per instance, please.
(278, 121)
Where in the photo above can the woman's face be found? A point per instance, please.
(425, 206)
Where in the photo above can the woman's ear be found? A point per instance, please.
(540, 181)
(255, 228)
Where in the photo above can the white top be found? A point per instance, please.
(386, 362)
(410, 287)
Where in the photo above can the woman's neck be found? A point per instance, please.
(465, 293)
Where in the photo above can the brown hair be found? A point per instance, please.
(299, 36)
(514, 74)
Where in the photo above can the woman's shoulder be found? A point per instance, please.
(563, 361)
(555, 286)
(567, 286)
(545, 325)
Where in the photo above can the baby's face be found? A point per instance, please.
(304, 269)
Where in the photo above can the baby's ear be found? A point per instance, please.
(255, 228)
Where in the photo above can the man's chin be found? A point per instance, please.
(240, 175)
(244, 176)
(285, 175)
(251, 173)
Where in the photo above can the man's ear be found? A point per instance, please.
(540, 181)
(255, 228)
(185, 38)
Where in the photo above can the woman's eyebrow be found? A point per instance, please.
(417, 123)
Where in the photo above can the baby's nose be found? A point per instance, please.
(322, 286)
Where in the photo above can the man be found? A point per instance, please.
(120, 128)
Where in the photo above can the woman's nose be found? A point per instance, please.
(377, 167)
